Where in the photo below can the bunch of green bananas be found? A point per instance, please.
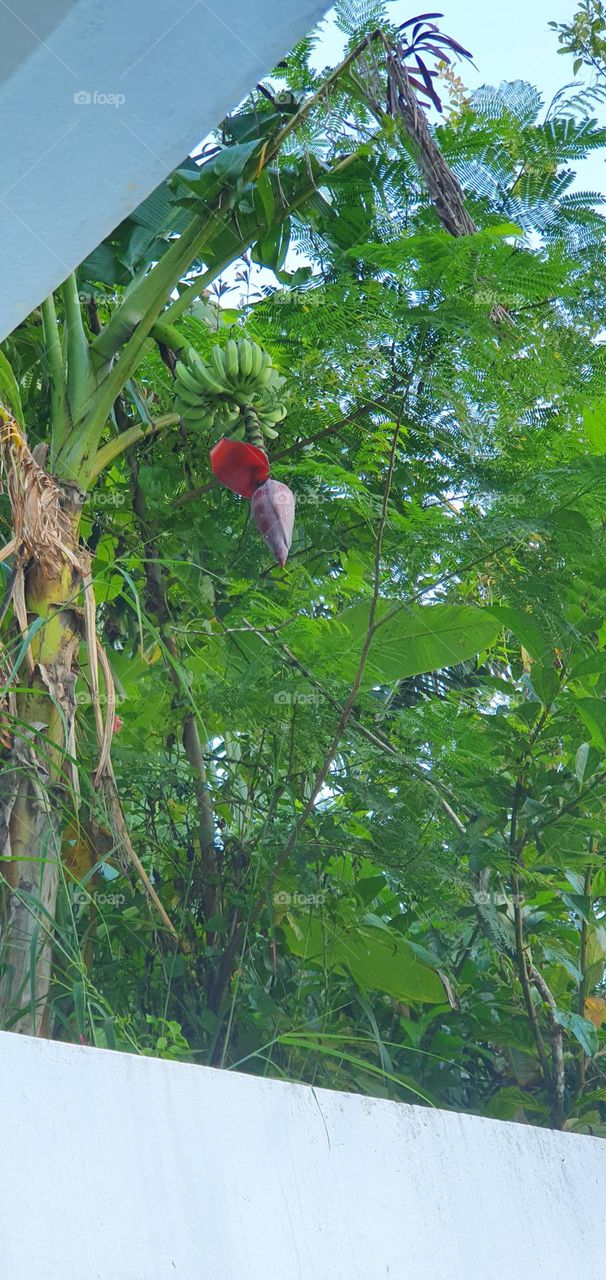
(238, 384)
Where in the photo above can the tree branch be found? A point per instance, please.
(530, 976)
(376, 739)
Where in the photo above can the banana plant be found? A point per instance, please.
(240, 197)
(87, 373)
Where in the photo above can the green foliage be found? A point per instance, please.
(403, 731)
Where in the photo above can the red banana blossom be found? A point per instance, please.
(244, 469)
(241, 467)
(273, 511)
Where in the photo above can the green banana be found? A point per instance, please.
(217, 360)
(232, 367)
(242, 396)
(185, 405)
(232, 412)
(208, 381)
(245, 354)
(264, 377)
(256, 360)
(204, 417)
(188, 355)
(238, 393)
(188, 397)
(186, 378)
(273, 415)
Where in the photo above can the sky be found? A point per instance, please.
(509, 41)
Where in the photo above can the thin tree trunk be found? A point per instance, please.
(582, 1058)
(443, 187)
(158, 607)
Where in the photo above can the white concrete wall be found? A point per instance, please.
(124, 1168)
(159, 77)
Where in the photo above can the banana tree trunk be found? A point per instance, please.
(41, 769)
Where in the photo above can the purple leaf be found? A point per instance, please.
(420, 17)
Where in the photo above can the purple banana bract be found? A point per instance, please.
(273, 511)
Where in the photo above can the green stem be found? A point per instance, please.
(137, 318)
(116, 447)
(60, 422)
(149, 293)
(77, 456)
(137, 298)
(193, 291)
(168, 335)
(80, 379)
